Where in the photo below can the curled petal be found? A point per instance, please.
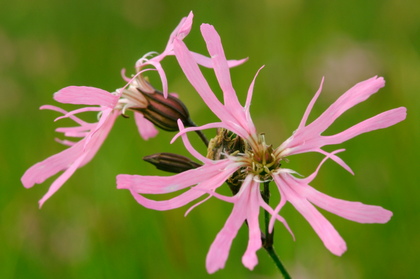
(77, 111)
(162, 76)
(188, 144)
(72, 117)
(207, 62)
(311, 177)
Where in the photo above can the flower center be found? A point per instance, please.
(132, 96)
(258, 158)
(261, 159)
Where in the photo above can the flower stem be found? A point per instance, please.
(268, 238)
(272, 253)
(203, 137)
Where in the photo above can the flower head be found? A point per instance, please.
(92, 136)
(180, 32)
(149, 106)
(240, 156)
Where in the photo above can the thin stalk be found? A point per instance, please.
(199, 132)
(202, 137)
(268, 237)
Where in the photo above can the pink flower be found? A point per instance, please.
(240, 155)
(149, 106)
(92, 134)
(180, 32)
(109, 106)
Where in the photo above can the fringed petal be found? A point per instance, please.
(85, 95)
(250, 259)
(168, 184)
(326, 232)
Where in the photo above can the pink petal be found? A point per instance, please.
(214, 45)
(355, 95)
(229, 116)
(336, 159)
(80, 110)
(204, 186)
(310, 106)
(56, 185)
(166, 184)
(146, 128)
(84, 95)
(196, 204)
(311, 177)
(197, 80)
(70, 159)
(183, 130)
(98, 135)
(219, 249)
(175, 202)
(72, 117)
(308, 138)
(250, 91)
(162, 76)
(354, 211)
(41, 171)
(275, 215)
(188, 144)
(183, 29)
(250, 259)
(314, 142)
(328, 234)
(78, 132)
(221, 69)
(207, 62)
(380, 121)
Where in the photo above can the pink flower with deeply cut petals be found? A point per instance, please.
(134, 96)
(109, 106)
(240, 155)
(180, 32)
(92, 134)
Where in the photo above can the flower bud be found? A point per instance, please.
(171, 162)
(164, 112)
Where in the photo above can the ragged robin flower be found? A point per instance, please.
(150, 108)
(241, 156)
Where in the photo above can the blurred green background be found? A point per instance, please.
(89, 229)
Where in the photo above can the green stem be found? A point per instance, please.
(199, 132)
(280, 266)
(268, 238)
(203, 137)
